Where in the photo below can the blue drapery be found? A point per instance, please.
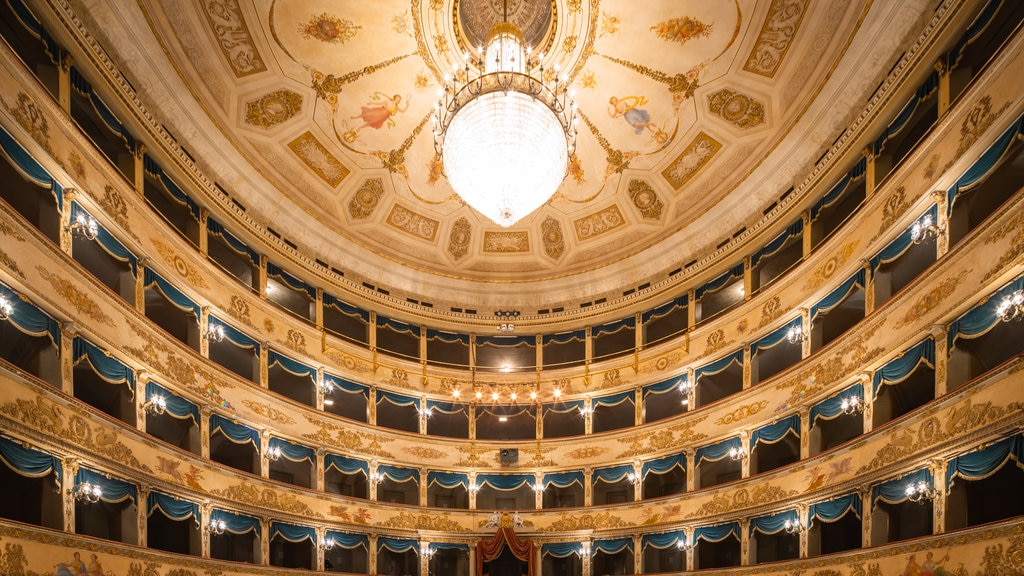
(772, 248)
(234, 243)
(663, 386)
(113, 489)
(236, 523)
(927, 88)
(563, 337)
(504, 482)
(398, 473)
(983, 165)
(773, 523)
(29, 462)
(348, 541)
(832, 510)
(292, 282)
(450, 546)
(30, 319)
(235, 336)
(720, 282)
(665, 309)
(447, 337)
(980, 464)
(560, 549)
(717, 533)
(718, 451)
(107, 241)
(662, 540)
(898, 369)
(36, 28)
(505, 341)
(397, 326)
(718, 366)
(833, 406)
(979, 320)
(397, 545)
(290, 365)
(108, 368)
(448, 479)
(179, 195)
(772, 433)
(237, 433)
(32, 170)
(613, 327)
(292, 451)
(776, 337)
(612, 474)
(172, 507)
(836, 192)
(980, 23)
(613, 545)
(563, 407)
(447, 407)
(79, 83)
(347, 385)
(346, 465)
(663, 465)
(174, 296)
(615, 399)
(397, 399)
(291, 532)
(895, 491)
(563, 479)
(836, 296)
(346, 308)
(176, 405)
(901, 243)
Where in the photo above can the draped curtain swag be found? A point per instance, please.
(346, 465)
(396, 545)
(900, 368)
(108, 242)
(29, 462)
(107, 367)
(895, 491)
(717, 451)
(292, 451)
(27, 165)
(113, 490)
(982, 318)
(560, 549)
(176, 297)
(348, 541)
(488, 550)
(833, 406)
(612, 474)
(179, 195)
(664, 465)
(662, 540)
(233, 431)
(772, 433)
(177, 406)
(773, 523)
(234, 335)
(172, 507)
(29, 319)
(563, 479)
(289, 365)
(291, 532)
(834, 509)
(236, 523)
(717, 533)
(983, 463)
(613, 546)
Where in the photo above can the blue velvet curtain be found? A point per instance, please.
(399, 474)
(564, 479)
(397, 325)
(237, 433)
(29, 319)
(718, 366)
(347, 385)
(612, 327)
(898, 369)
(979, 320)
(563, 407)
(397, 399)
(664, 309)
(447, 407)
(505, 341)
(984, 164)
(615, 399)
(663, 465)
(773, 523)
(833, 406)
(837, 295)
(292, 282)
(980, 23)
(449, 546)
(27, 165)
(776, 244)
(176, 405)
(563, 337)
(236, 523)
(662, 540)
(718, 451)
(31, 23)
(504, 482)
(113, 489)
(664, 386)
(611, 474)
(346, 308)
(448, 479)
(108, 242)
(720, 282)
(79, 83)
(927, 88)
(289, 365)
(776, 337)
(717, 533)
(901, 243)
(895, 491)
(234, 335)
(346, 465)
(348, 541)
(292, 451)
(179, 195)
(447, 337)
(560, 549)
(174, 296)
(837, 190)
(172, 507)
(772, 433)
(613, 545)
(107, 367)
(397, 545)
(981, 464)
(29, 462)
(234, 243)
(832, 510)
(291, 532)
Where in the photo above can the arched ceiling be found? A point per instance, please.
(697, 116)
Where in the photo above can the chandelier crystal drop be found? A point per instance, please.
(505, 136)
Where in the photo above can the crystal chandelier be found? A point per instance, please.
(504, 135)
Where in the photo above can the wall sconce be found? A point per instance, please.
(538, 488)
(792, 527)
(216, 527)
(273, 453)
(425, 550)
(851, 405)
(83, 227)
(685, 545)
(585, 549)
(920, 492)
(1011, 307)
(156, 404)
(426, 412)
(327, 545)
(214, 333)
(586, 411)
(633, 478)
(88, 492)
(684, 388)
(376, 478)
(473, 488)
(737, 454)
(6, 308)
(924, 229)
(795, 335)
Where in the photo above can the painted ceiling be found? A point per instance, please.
(315, 115)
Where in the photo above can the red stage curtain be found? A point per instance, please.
(505, 536)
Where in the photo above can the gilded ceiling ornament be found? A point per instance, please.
(318, 159)
(684, 84)
(598, 223)
(329, 29)
(273, 108)
(693, 158)
(609, 24)
(82, 303)
(506, 242)
(551, 234)
(735, 108)
(365, 200)
(681, 30)
(459, 238)
(777, 33)
(328, 86)
(645, 199)
(412, 223)
(228, 25)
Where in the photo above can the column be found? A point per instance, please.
(690, 536)
(67, 481)
(869, 288)
(140, 289)
(263, 364)
(746, 365)
(472, 560)
(938, 469)
(140, 400)
(801, 516)
(65, 221)
(691, 309)
(638, 484)
(638, 557)
(64, 82)
(869, 172)
(805, 323)
(373, 481)
(588, 488)
(868, 400)
(942, 208)
(588, 419)
(424, 557)
(423, 415)
(691, 473)
(423, 487)
(261, 284)
(68, 333)
(205, 512)
(472, 492)
(204, 431)
(805, 432)
(538, 500)
(319, 466)
(373, 554)
(264, 542)
(321, 537)
(265, 459)
(744, 542)
(806, 240)
(938, 333)
(371, 406)
(139, 183)
(586, 555)
(319, 309)
(745, 461)
(865, 504)
(141, 515)
(943, 70)
(638, 406)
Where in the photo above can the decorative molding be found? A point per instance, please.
(776, 37)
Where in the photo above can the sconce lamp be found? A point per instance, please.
(156, 404)
(88, 492)
(83, 227)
